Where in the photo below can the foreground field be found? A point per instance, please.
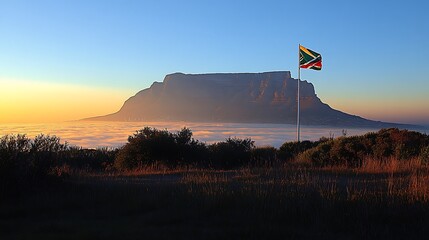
(382, 200)
(164, 185)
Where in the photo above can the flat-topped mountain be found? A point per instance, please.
(268, 97)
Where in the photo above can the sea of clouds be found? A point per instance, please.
(115, 134)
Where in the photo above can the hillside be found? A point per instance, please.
(268, 97)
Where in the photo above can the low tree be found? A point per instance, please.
(232, 153)
(290, 150)
(263, 156)
(24, 161)
(424, 155)
(151, 145)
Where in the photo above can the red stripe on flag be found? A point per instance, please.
(314, 64)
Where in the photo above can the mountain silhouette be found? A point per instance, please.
(268, 97)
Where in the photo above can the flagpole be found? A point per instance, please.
(298, 108)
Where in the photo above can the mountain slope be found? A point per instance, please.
(268, 97)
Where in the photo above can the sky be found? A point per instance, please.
(67, 60)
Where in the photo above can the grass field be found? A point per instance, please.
(383, 200)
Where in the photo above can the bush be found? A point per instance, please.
(145, 147)
(401, 144)
(151, 145)
(45, 151)
(14, 153)
(190, 151)
(263, 156)
(424, 155)
(319, 155)
(232, 153)
(351, 151)
(24, 161)
(88, 159)
(290, 150)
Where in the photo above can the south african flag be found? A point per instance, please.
(309, 59)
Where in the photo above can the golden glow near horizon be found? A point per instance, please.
(37, 102)
(399, 110)
(24, 101)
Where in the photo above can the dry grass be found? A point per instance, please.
(382, 199)
(390, 165)
(389, 180)
(154, 168)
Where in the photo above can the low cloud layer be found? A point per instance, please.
(115, 134)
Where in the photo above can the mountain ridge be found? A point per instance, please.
(266, 97)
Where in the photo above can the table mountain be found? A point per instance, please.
(268, 97)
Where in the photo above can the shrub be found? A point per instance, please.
(145, 147)
(383, 146)
(424, 155)
(190, 151)
(232, 153)
(44, 154)
(88, 159)
(319, 155)
(14, 151)
(24, 161)
(349, 151)
(289, 150)
(402, 144)
(151, 145)
(263, 156)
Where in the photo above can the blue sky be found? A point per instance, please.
(373, 51)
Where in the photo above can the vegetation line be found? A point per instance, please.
(163, 185)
